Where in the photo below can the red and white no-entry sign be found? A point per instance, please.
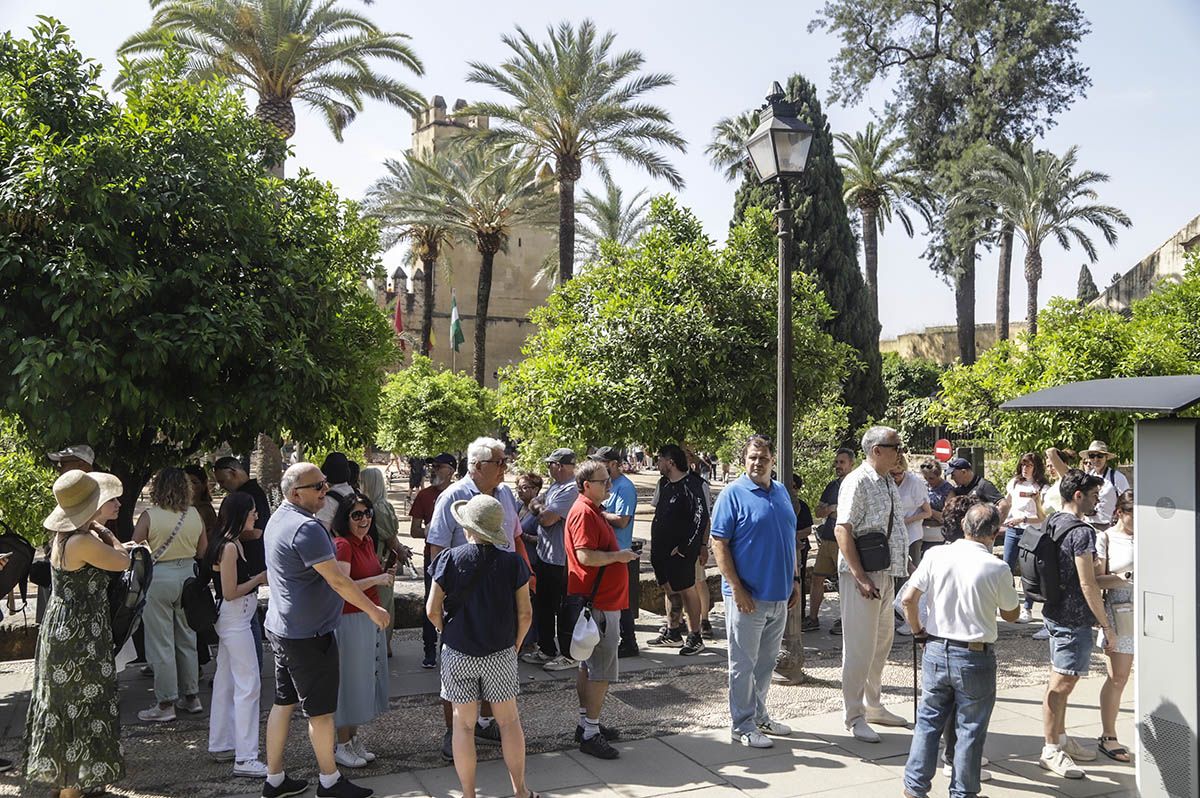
(942, 450)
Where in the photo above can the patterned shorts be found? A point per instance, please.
(467, 679)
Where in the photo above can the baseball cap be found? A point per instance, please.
(77, 452)
(445, 459)
(959, 462)
(605, 454)
(562, 457)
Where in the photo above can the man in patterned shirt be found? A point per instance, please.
(868, 502)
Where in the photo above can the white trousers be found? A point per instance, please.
(233, 721)
(868, 626)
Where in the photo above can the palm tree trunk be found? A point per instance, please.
(871, 253)
(964, 305)
(1003, 281)
(482, 297)
(566, 229)
(428, 263)
(1033, 273)
(279, 114)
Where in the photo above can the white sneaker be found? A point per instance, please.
(754, 739)
(1077, 752)
(156, 714)
(775, 729)
(250, 768)
(535, 657)
(356, 745)
(948, 772)
(192, 705)
(1042, 634)
(1026, 615)
(560, 663)
(863, 732)
(346, 757)
(1060, 763)
(884, 717)
(983, 760)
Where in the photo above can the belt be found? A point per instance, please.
(963, 644)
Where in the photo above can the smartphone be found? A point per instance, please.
(636, 546)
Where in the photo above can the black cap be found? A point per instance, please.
(606, 454)
(445, 459)
(561, 456)
(960, 463)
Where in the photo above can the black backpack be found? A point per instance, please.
(199, 606)
(20, 560)
(127, 595)
(1038, 556)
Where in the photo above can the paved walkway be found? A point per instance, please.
(818, 760)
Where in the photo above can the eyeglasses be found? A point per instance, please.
(359, 515)
(601, 481)
(322, 485)
(899, 447)
(1097, 456)
(501, 463)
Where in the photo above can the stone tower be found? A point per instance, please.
(515, 290)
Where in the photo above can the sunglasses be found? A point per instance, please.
(359, 515)
(601, 481)
(1097, 457)
(899, 447)
(322, 485)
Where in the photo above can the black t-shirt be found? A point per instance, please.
(981, 488)
(486, 622)
(243, 573)
(256, 553)
(829, 496)
(680, 516)
(804, 518)
(1072, 608)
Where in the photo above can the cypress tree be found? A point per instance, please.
(1085, 289)
(824, 246)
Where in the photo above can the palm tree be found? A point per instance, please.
(573, 101)
(391, 199)
(1039, 194)
(479, 193)
(727, 150)
(611, 218)
(879, 184)
(283, 50)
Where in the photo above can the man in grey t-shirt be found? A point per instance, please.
(549, 606)
(307, 595)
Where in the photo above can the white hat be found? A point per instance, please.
(80, 495)
(76, 452)
(482, 516)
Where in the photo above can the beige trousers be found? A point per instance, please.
(868, 626)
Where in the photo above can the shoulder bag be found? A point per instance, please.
(1122, 611)
(874, 548)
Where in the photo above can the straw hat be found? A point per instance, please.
(483, 516)
(80, 495)
(1099, 447)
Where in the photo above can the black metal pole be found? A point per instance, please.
(783, 365)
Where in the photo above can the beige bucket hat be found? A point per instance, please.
(483, 516)
(80, 495)
(1098, 447)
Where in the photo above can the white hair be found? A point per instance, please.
(875, 436)
(287, 482)
(482, 449)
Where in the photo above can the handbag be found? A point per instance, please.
(586, 634)
(874, 548)
(1122, 611)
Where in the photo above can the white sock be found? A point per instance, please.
(1049, 750)
(582, 716)
(590, 727)
(484, 722)
(331, 779)
(275, 779)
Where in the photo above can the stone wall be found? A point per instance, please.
(940, 344)
(1164, 263)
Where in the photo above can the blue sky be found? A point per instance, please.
(1139, 123)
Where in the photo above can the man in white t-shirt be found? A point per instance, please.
(965, 585)
(1096, 460)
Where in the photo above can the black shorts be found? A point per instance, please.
(306, 671)
(679, 573)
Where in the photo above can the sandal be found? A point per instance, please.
(1118, 754)
(533, 794)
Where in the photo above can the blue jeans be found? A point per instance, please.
(958, 687)
(754, 640)
(1012, 536)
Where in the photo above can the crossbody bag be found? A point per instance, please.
(161, 550)
(874, 548)
(1122, 611)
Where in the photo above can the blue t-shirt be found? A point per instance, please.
(760, 527)
(302, 602)
(558, 499)
(444, 531)
(622, 501)
(487, 621)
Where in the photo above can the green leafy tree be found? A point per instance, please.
(572, 101)
(1042, 197)
(879, 183)
(611, 218)
(425, 410)
(964, 74)
(727, 150)
(668, 340)
(480, 193)
(159, 294)
(824, 249)
(1085, 286)
(26, 480)
(285, 51)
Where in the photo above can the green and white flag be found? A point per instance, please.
(456, 333)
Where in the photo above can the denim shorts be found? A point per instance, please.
(1070, 648)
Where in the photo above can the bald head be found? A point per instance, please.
(304, 485)
(982, 522)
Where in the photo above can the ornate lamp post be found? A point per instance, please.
(778, 150)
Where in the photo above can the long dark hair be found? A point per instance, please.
(341, 519)
(198, 471)
(231, 520)
(1039, 468)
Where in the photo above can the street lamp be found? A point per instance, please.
(778, 150)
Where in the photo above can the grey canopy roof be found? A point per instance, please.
(1130, 394)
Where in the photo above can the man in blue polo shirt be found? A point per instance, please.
(754, 541)
(618, 510)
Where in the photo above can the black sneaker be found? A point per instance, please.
(448, 746)
(836, 629)
(429, 661)
(667, 637)
(810, 625)
(598, 747)
(624, 651)
(344, 788)
(288, 786)
(694, 645)
(608, 733)
(489, 735)
(5, 765)
(706, 630)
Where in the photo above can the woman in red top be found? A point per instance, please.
(362, 646)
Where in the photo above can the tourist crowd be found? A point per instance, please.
(549, 574)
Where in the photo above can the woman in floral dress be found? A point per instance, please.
(73, 728)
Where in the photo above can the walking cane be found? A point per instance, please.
(914, 670)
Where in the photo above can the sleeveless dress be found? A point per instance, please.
(73, 729)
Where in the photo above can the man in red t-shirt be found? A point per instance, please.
(421, 513)
(593, 552)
